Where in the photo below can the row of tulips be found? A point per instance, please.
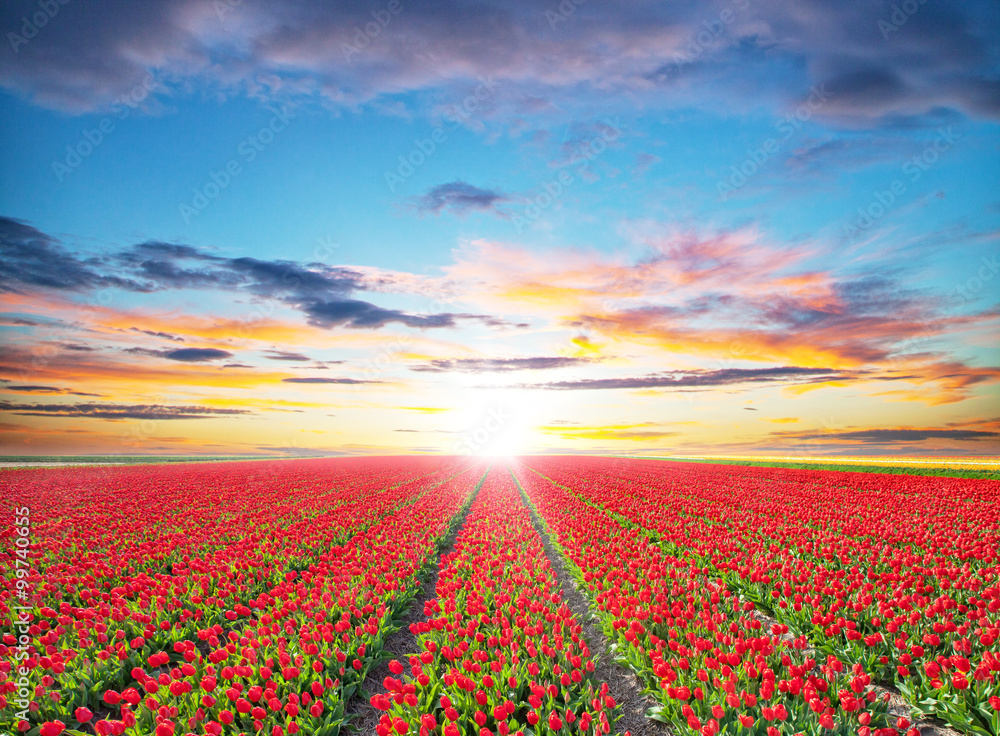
(115, 520)
(500, 651)
(911, 596)
(698, 649)
(314, 621)
(115, 628)
(126, 542)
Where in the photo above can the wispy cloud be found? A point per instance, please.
(460, 198)
(197, 355)
(341, 381)
(497, 365)
(118, 411)
(185, 355)
(729, 297)
(893, 436)
(286, 356)
(33, 261)
(622, 432)
(30, 389)
(942, 57)
(643, 162)
(695, 379)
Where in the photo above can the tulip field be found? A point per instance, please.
(270, 596)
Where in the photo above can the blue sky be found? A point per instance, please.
(727, 186)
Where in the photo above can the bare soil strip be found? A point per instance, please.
(363, 717)
(624, 685)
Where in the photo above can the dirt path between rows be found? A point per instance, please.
(898, 706)
(363, 716)
(622, 682)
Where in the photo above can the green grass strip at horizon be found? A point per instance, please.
(970, 473)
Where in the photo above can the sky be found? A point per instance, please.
(733, 227)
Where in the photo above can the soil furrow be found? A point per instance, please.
(401, 644)
(898, 705)
(624, 686)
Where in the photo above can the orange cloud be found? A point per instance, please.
(608, 432)
(727, 297)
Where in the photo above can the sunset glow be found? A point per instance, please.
(624, 228)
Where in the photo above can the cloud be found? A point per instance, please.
(608, 432)
(643, 161)
(320, 292)
(196, 355)
(360, 314)
(698, 379)
(154, 333)
(18, 322)
(184, 355)
(178, 266)
(497, 365)
(865, 87)
(940, 381)
(300, 451)
(35, 389)
(118, 411)
(30, 259)
(344, 381)
(89, 56)
(460, 198)
(314, 365)
(112, 371)
(728, 296)
(819, 157)
(34, 261)
(491, 321)
(285, 355)
(885, 436)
